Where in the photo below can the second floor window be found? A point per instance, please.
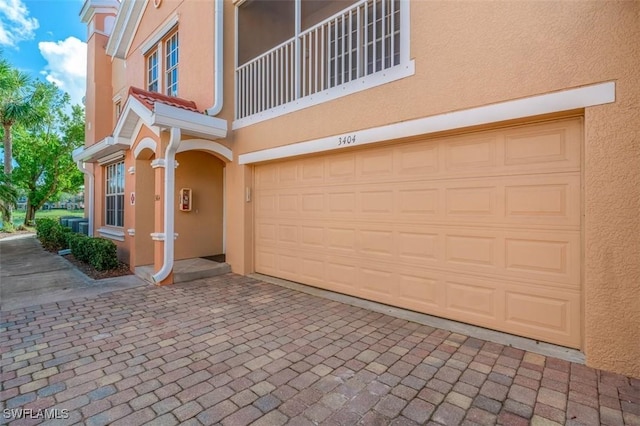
(162, 66)
(171, 65)
(152, 71)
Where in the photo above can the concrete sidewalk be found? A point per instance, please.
(30, 275)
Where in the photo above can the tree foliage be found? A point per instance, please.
(19, 104)
(43, 152)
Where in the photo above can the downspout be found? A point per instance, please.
(169, 207)
(89, 174)
(174, 142)
(218, 83)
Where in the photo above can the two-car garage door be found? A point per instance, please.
(482, 228)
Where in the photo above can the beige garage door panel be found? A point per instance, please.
(541, 257)
(482, 228)
(552, 201)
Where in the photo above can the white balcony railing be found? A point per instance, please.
(361, 40)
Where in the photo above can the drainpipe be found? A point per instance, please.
(218, 56)
(81, 166)
(169, 207)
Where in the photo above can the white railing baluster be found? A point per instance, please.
(322, 68)
(315, 63)
(366, 39)
(383, 32)
(335, 53)
(310, 62)
(286, 68)
(350, 48)
(375, 38)
(392, 4)
(358, 44)
(343, 51)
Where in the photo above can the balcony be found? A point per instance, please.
(360, 46)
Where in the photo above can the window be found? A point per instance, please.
(162, 65)
(171, 64)
(114, 194)
(152, 71)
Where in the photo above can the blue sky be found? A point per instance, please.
(46, 39)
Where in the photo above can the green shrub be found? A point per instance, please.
(51, 234)
(43, 227)
(103, 254)
(98, 252)
(80, 246)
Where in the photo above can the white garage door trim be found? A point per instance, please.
(566, 100)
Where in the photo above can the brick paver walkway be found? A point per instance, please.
(233, 350)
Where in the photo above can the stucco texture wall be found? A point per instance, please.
(469, 54)
(200, 230)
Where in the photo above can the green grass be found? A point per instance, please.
(18, 215)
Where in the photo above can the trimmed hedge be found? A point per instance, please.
(51, 234)
(97, 252)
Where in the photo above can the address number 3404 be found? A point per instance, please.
(346, 140)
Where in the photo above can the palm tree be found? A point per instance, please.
(8, 194)
(18, 104)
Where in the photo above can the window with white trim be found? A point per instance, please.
(289, 52)
(152, 71)
(162, 61)
(114, 194)
(171, 64)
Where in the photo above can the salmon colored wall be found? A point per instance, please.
(98, 95)
(145, 195)
(467, 54)
(195, 53)
(472, 54)
(200, 230)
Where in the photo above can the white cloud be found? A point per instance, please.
(66, 66)
(15, 23)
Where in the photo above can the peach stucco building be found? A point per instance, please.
(477, 161)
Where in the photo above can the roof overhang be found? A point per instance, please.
(164, 117)
(91, 7)
(98, 151)
(124, 29)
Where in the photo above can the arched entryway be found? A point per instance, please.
(200, 230)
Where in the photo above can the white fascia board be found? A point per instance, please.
(566, 100)
(189, 122)
(142, 6)
(124, 29)
(155, 38)
(106, 146)
(91, 7)
(118, 27)
(133, 111)
(90, 151)
(365, 83)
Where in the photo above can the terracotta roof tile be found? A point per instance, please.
(149, 98)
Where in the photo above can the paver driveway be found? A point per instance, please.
(234, 350)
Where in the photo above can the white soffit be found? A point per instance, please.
(124, 29)
(566, 100)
